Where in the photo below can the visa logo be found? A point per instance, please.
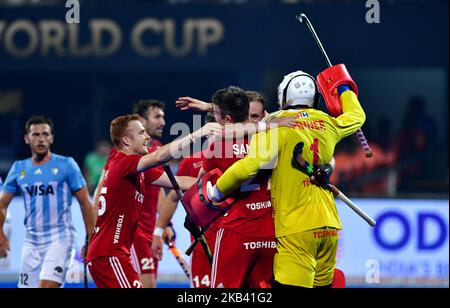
(40, 190)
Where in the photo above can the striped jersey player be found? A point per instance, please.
(47, 182)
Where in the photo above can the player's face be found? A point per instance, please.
(138, 138)
(255, 112)
(155, 122)
(218, 115)
(40, 138)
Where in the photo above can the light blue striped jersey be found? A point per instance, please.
(47, 193)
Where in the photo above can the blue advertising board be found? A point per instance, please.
(408, 247)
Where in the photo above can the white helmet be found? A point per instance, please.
(297, 88)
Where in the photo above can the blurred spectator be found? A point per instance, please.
(379, 170)
(405, 163)
(94, 162)
(349, 163)
(355, 173)
(416, 145)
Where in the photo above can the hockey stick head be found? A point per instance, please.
(301, 17)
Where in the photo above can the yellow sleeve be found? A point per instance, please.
(263, 154)
(352, 117)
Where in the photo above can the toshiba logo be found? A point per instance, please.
(260, 244)
(259, 205)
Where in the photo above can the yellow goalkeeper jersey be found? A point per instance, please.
(298, 205)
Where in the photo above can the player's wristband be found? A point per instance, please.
(262, 126)
(170, 224)
(158, 231)
(217, 193)
(343, 88)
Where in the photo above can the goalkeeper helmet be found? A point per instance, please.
(298, 88)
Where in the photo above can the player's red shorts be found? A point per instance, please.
(114, 272)
(338, 279)
(200, 266)
(242, 261)
(142, 256)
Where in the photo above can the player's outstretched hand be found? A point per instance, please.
(286, 122)
(157, 247)
(186, 103)
(169, 234)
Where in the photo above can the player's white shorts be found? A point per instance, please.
(49, 262)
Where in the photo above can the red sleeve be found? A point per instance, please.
(112, 153)
(153, 174)
(209, 162)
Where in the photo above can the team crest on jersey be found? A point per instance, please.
(22, 174)
(55, 171)
(302, 115)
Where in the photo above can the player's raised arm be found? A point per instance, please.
(166, 152)
(186, 103)
(239, 130)
(185, 182)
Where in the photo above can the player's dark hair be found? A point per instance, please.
(142, 106)
(232, 101)
(38, 119)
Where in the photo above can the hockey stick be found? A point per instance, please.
(302, 18)
(309, 169)
(198, 237)
(177, 254)
(338, 194)
(85, 275)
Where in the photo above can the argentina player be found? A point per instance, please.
(47, 182)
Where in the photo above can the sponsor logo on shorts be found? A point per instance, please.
(58, 271)
(325, 233)
(260, 244)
